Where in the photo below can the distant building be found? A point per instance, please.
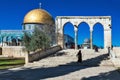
(68, 41)
(11, 37)
(86, 44)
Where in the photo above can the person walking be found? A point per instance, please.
(109, 51)
(79, 55)
(96, 49)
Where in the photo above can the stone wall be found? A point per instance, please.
(0, 51)
(41, 54)
(116, 50)
(13, 51)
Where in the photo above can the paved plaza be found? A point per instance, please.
(64, 66)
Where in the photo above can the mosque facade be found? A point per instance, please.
(35, 18)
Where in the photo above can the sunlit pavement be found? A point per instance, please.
(64, 66)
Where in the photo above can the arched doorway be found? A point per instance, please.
(98, 36)
(83, 36)
(68, 33)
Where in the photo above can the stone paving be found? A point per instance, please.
(63, 66)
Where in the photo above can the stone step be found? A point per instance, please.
(68, 57)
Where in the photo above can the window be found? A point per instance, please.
(29, 27)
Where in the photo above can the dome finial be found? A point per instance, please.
(40, 5)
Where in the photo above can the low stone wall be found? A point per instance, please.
(116, 50)
(0, 51)
(14, 51)
(41, 54)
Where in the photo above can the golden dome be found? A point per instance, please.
(39, 16)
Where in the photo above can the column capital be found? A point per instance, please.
(107, 29)
(91, 30)
(75, 29)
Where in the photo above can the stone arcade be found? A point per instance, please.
(90, 20)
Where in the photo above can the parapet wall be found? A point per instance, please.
(14, 51)
(41, 54)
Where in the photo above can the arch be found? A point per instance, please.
(85, 22)
(5, 38)
(102, 25)
(98, 35)
(83, 33)
(14, 42)
(0, 39)
(19, 39)
(67, 23)
(90, 20)
(68, 35)
(9, 38)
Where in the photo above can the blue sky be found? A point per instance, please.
(12, 13)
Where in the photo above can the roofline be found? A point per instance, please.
(82, 17)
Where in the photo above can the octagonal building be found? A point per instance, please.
(43, 20)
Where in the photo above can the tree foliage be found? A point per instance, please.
(26, 41)
(38, 40)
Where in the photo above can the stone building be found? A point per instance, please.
(91, 21)
(11, 40)
(41, 19)
(35, 18)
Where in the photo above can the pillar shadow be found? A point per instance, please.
(50, 72)
(105, 76)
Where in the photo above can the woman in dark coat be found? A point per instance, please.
(79, 55)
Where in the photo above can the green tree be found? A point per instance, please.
(38, 40)
(26, 41)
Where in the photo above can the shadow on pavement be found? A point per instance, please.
(104, 76)
(60, 70)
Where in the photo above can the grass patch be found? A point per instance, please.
(6, 63)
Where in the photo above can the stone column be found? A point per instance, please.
(107, 38)
(75, 29)
(59, 33)
(26, 58)
(91, 45)
(60, 40)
